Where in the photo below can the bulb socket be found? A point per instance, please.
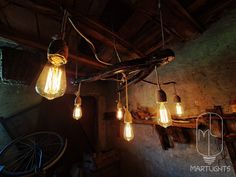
(127, 116)
(119, 105)
(78, 100)
(161, 96)
(58, 52)
(177, 99)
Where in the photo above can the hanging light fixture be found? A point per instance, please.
(128, 129)
(163, 114)
(52, 80)
(178, 104)
(119, 107)
(77, 112)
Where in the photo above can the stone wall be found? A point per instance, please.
(205, 72)
(14, 99)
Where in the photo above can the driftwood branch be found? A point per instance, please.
(145, 66)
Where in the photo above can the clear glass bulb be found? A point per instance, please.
(119, 113)
(164, 119)
(128, 132)
(179, 109)
(52, 81)
(77, 112)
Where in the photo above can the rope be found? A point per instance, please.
(126, 94)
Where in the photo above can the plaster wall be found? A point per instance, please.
(205, 72)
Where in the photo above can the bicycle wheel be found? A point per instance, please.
(20, 157)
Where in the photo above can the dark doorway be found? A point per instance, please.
(82, 135)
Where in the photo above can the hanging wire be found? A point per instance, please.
(114, 45)
(78, 91)
(126, 91)
(161, 21)
(126, 94)
(174, 88)
(91, 44)
(76, 77)
(116, 52)
(157, 79)
(63, 24)
(76, 71)
(119, 96)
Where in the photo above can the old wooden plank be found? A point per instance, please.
(33, 43)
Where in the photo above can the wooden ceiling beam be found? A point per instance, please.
(177, 21)
(178, 7)
(208, 13)
(88, 26)
(153, 16)
(157, 46)
(104, 35)
(196, 5)
(33, 43)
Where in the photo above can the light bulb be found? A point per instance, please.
(119, 112)
(179, 109)
(128, 132)
(77, 113)
(164, 119)
(52, 81)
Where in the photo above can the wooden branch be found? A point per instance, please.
(138, 77)
(39, 45)
(160, 58)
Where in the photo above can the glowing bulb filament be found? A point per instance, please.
(128, 132)
(179, 110)
(119, 114)
(163, 114)
(165, 117)
(53, 81)
(77, 113)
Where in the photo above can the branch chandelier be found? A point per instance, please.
(52, 82)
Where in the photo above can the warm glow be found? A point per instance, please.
(51, 82)
(119, 113)
(128, 132)
(179, 110)
(77, 113)
(164, 116)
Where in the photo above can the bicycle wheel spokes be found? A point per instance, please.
(21, 156)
